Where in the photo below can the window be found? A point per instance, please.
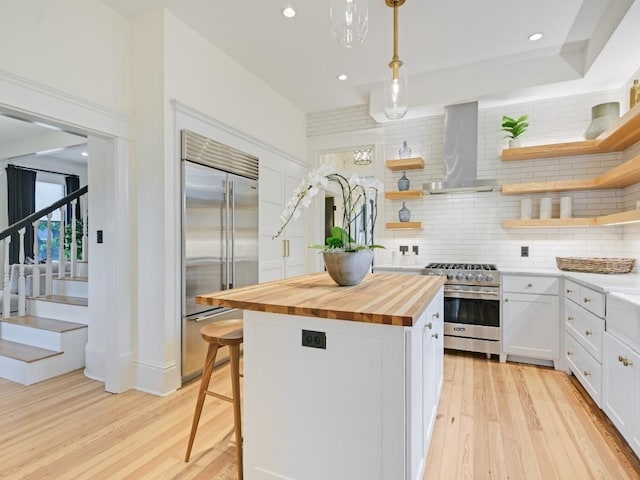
(47, 193)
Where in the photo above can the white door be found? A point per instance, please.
(530, 325)
(619, 386)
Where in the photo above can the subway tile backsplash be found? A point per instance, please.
(467, 226)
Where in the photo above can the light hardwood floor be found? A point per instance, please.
(498, 421)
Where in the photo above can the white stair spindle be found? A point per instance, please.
(6, 297)
(74, 246)
(49, 270)
(36, 261)
(22, 303)
(61, 259)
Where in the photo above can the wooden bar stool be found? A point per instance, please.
(226, 333)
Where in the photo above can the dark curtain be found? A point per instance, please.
(72, 183)
(21, 202)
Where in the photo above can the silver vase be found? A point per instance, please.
(348, 268)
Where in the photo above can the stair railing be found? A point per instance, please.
(33, 221)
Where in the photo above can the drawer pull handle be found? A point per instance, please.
(435, 335)
(588, 332)
(436, 315)
(570, 318)
(506, 300)
(569, 353)
(529, 285)
(586, 300)
(429, 325)
(625, 361)
(586, 374)
(569, 290)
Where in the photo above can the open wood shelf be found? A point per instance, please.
(619, 137)
(402, 164)
(604, 220)
(623, 175)
(404, 195)
(404, 225)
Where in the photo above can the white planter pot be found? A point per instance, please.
(348, 268)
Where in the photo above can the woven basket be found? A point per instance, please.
(596, 265)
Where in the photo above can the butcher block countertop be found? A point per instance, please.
(384, 298)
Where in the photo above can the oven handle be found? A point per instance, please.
(472, 294)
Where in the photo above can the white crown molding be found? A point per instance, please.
(30, 98)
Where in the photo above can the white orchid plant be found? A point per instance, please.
(360, 208)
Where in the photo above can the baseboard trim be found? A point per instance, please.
(157, 379)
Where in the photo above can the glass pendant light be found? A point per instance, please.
(349, 21)
(396, 86)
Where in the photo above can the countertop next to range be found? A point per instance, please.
(606, 283)
(383, 298)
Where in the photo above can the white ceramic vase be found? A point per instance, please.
(348, 268)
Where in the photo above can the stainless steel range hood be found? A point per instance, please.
(460, 152)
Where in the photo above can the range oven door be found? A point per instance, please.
(472, 319)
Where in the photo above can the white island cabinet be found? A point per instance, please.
(621, 364)
(530, 318)
(340, 383)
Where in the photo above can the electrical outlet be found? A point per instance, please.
(415, 249)
(99, 237)
(404, 249)
(314, 339)
(524, 251)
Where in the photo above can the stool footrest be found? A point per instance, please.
(218, 395)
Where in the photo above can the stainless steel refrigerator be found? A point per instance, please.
(219, 236)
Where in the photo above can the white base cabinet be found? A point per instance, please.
(363, 407)
(584, 328)
(530, 317)
(621, 365)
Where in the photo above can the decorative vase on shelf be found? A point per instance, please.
(403, 183)
(404, 214)
(405, 151)
(348, 268)
(515, 142)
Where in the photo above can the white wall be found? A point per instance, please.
(175, 64)
(467, 226)
(81, 47)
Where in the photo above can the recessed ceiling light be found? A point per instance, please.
(342, 77)
(84, 154)
(288, 11)
(535, 36)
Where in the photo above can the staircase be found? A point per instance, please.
(47, 335)
(50, 340)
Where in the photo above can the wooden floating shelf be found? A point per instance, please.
(623, 175)
(619, 137)
(404, 195)
(402, 164)
(404, 225)
(631, 216)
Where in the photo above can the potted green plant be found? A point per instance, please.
(514, 127)
(347, 260)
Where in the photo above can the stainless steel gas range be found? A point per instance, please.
(471, 306)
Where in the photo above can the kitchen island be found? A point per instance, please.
(340, 382)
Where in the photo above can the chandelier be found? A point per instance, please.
(396, 95)
(362, 156)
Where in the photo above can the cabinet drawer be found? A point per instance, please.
(530, 284)
(589, 298)
(586, 368)
(572, 290)
(585, 327)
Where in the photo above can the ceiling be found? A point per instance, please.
(453, 51)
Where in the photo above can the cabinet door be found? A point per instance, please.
(284, 256)
(415, 410)
(619, 386)
(430, 393)
(530, 325)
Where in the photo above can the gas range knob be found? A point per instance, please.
(489, 278)
(459, 276)
(449, 276)
(468, 277)
(479, 277)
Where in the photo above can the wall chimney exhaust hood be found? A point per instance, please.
(460, 152)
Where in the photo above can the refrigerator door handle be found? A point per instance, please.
(227, 195)
(232, 230)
